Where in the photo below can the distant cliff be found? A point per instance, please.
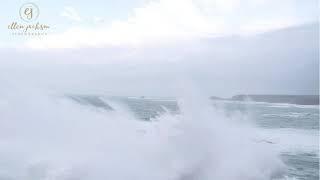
(290, 99)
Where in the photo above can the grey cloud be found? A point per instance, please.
(279, 62)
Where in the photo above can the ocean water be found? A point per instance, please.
(293, 129)
(90, 137)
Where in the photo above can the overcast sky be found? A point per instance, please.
(155, 48)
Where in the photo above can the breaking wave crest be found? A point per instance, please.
(46, 137)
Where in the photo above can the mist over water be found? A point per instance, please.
(53, 137)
